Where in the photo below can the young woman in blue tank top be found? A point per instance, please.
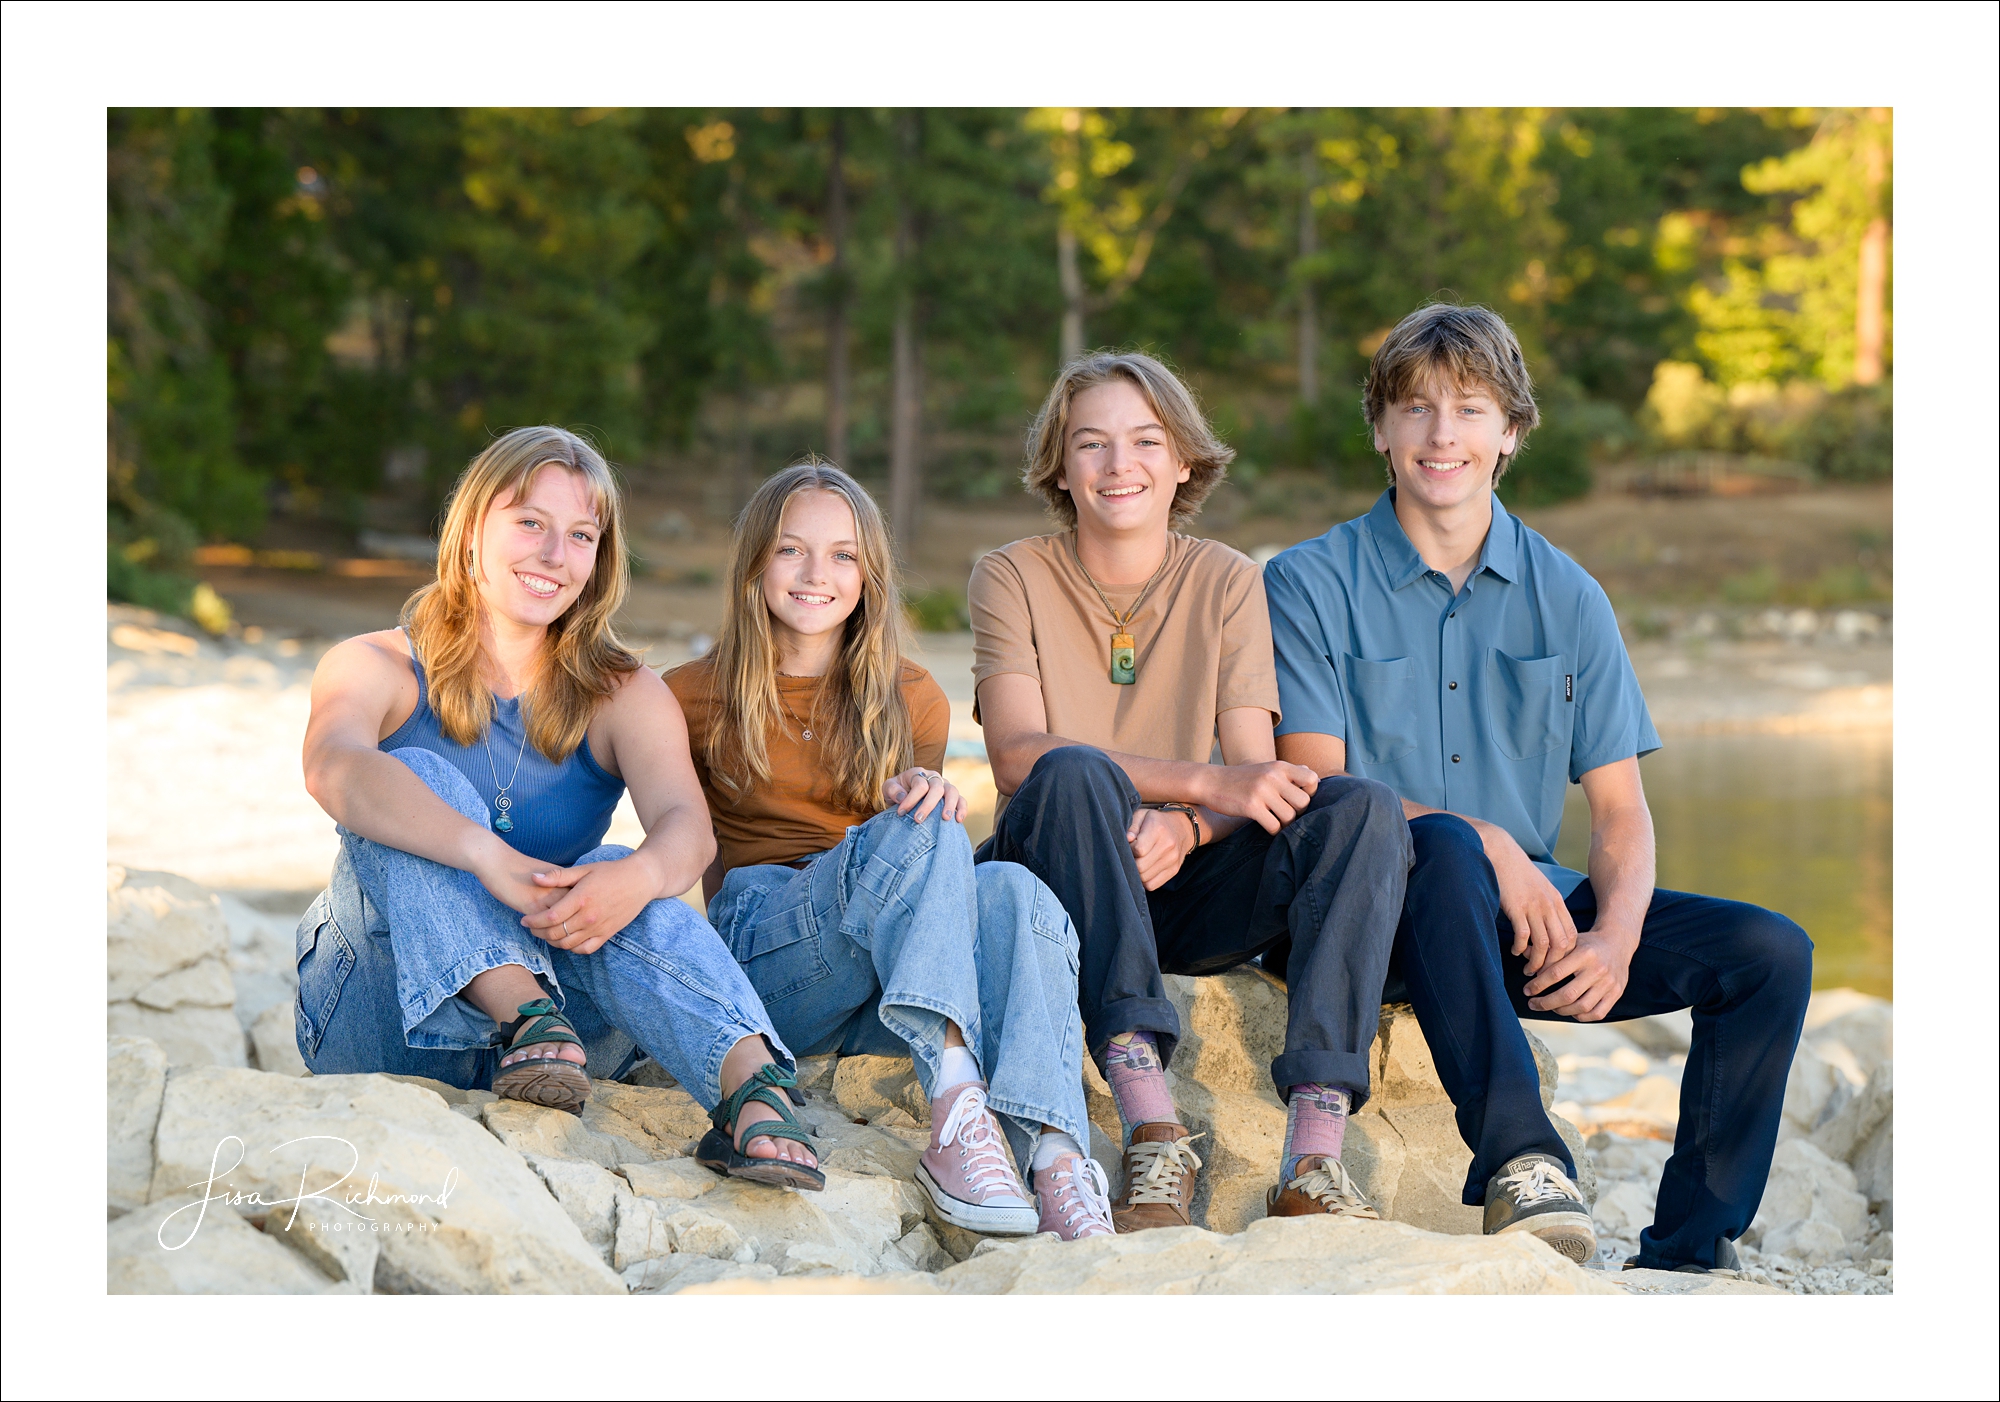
(476, 931)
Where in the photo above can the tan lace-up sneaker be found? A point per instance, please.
(1321, 1186)
(1160, 1164)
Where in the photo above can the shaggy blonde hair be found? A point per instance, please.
(863, 718)
(1467, 348)
(582, 659)
(1206, 457)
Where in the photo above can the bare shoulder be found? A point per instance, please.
(641, 694)
(366, 657)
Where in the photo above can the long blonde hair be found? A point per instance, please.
(863, 718)
(582, 658)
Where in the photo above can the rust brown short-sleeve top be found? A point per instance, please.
(795, 814)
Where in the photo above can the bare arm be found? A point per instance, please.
(1621, 876)
(647, 746)
(1543, 929)
(639, 735)
(361, 690)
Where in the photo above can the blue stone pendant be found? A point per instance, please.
(503, 823)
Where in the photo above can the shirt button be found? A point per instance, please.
(1451, 686)
(1454, 759)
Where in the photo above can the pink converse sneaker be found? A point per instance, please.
(966, 1172)
(1075, 1198)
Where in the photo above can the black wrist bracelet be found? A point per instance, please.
(1192, 817)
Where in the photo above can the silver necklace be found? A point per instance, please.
(806, 725)
(501, 801)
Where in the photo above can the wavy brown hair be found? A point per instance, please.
(1467, 348)
(862, 715)
(1206, 457)
(582, 659)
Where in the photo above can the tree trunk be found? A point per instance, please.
(837, 377)
(906, 390)
(1308, 310)
(1874, 272)
(1071, 279)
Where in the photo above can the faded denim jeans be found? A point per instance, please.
(385, 950)
(876, 943)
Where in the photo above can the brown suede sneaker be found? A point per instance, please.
(1322, 1186)
(1159, 1179)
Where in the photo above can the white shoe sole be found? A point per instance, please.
(1568, 1233)
(990, 1221)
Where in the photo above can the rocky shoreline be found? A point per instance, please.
(224, 1157)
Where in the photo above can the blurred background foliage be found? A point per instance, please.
(322, 313)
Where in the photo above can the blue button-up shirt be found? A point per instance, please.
(1482, 701)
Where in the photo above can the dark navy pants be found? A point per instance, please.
(1330, 883)
(1745, 972)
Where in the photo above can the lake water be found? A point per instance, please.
(1796, 823)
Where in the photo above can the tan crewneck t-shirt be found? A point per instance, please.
(1202, 642)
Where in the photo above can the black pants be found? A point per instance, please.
(1744, 971)
(1330, 882)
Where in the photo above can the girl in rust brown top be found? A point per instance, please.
(844, 882)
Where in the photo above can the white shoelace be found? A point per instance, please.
(1085, 1194)
(970, 1125)
(1541, 1182)
(1329, 1183)
(1158, 1168)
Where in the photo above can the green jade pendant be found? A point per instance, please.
(1124, 664)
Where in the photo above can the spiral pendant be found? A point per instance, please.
(503, 823)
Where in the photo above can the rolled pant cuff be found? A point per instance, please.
(1346, 1070)
(451, 1033)
(894, 1010)
(1155, 1015)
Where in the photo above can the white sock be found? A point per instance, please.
(1052, 1144)
(957, 1068)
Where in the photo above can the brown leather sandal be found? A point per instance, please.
(541, 1080)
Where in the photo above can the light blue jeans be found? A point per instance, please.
(385, 950)
(871, 947)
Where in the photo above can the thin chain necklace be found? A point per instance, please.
(1124, 656)
(806, 725)
(501, 800)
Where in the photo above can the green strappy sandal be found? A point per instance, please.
(767, 1086)
(541, 1080)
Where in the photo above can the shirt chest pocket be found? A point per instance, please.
(1528, 703)
(1382, 724)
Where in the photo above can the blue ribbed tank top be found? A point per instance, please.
(560, 811)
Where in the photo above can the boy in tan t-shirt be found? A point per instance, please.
(1112, 661)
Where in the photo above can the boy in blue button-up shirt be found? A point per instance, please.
(1439, 645)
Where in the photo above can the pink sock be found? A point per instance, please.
(1138, 1081)
(1315, 1122)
